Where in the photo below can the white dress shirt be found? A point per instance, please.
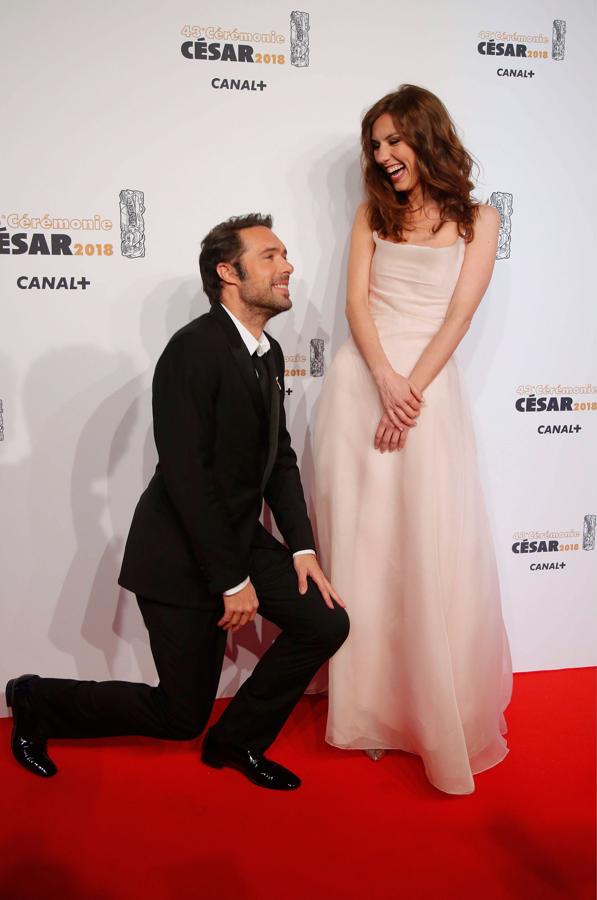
(259, 347)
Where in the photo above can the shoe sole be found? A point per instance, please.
(212, 763)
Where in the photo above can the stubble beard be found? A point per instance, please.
(264, 300)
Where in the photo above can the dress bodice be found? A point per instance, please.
(414, 281)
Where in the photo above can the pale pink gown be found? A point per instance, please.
(405, 539)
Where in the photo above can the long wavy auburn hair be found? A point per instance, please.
(444, 165)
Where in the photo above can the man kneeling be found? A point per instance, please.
(197, 557)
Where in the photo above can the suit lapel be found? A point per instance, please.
(274, 418)
(241, 357)
(243, 360)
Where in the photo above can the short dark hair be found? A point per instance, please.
(223, 244)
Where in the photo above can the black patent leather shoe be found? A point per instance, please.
(27, 747)
(261, 771)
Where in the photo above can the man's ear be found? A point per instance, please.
(227, 272)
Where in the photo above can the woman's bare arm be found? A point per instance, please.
(401, 400)
(473, 281)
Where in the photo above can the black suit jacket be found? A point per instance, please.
(220, 454)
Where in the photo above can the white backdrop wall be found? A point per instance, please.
(101, 99)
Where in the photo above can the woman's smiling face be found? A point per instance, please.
(394, 155)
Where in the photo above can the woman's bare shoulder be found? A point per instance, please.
(487, 218)
(362, 212)
(361, 223)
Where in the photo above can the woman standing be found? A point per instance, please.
(426, 667)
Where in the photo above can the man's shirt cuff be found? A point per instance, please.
(238, 588)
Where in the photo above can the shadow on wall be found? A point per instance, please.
(88, 382)
(332, 185)
(104, 414)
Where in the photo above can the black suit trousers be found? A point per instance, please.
(188, 650)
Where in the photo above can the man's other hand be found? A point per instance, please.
(239, 608)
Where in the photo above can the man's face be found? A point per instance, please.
(265, 271)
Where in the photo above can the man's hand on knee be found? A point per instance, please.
(239, 608)
(307, 567)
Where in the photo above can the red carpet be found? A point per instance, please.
(134, 818)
